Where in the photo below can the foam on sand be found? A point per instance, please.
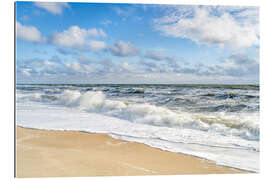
(184, 120)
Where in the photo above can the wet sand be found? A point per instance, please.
(41, 153)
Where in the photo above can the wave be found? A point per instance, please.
(188, 120)
(229, 95)
(228, 108)
(224, 150)
(161, 116)
(230, 122)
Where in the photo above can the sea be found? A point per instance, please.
(216, 122)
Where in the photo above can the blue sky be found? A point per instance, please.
(136, 43)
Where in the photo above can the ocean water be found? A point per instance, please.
(216, 122)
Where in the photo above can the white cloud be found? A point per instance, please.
(126, 67)
(237, 68)
(96, 45)
(171, 61)
(96, 32)
(29, 33)
(71, 68)
(48, 63)
(239, 65)
(158, 55)
(235, 27)
(76, 37)
(53, 7)
(124, 11)
(88, 68)
(106, 22)
(26, 72)
(123, 49)
(75, 66)
(25, 18)
(236, 65)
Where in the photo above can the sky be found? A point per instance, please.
(97, 43)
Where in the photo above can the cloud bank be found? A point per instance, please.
(29, 33)
(53, 7)
(234, 27)
(124, 49)
(79, 38)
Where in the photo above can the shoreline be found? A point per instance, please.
(43, 153)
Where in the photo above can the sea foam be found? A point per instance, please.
(242, 125)
(224, 150)
(228, 138)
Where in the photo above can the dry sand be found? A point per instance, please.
(67, 154)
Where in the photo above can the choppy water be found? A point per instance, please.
(216, 122)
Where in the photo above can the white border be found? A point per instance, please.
(7, 88)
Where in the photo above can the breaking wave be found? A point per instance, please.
(216, 122)
(242, 125)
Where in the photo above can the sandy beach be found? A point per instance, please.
(42, 153)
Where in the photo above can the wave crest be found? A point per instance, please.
(160, 116)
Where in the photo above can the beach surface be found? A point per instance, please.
(41, 153)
